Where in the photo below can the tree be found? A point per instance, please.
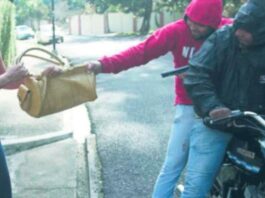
(148, 8)
(31, 11)
(171, 5)
(7, 31)
(231, 6)
(76, 4)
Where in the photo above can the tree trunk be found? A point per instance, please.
(157, 19)
(147, 16)
(106, 22)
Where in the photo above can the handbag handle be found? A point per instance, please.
(55, 59)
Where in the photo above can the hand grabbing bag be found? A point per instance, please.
(42, 95)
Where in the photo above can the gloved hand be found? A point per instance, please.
(219, 112)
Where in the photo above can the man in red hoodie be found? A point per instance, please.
(182, 38)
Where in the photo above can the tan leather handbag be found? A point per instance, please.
(41, 95)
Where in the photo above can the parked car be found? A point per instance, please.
(24, 32)
(45, 35)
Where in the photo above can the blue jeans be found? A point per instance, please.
(195, 145)
(5, 185)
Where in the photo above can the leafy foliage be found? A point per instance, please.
(231, 6)
(76, 4)
(171, 5)
(31, 11)
(134, 6)
(7, 31)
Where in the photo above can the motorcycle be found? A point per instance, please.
(242, 174)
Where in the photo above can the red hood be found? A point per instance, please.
(205, 12)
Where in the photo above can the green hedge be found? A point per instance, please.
(7, 31)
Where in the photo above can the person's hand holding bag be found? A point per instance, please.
(95, 67)
(52, 71)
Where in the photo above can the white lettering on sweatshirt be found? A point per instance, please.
(188, 52)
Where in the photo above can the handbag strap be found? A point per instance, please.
(55, 59)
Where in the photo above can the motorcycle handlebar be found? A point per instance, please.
(235, 115)
(232, 116)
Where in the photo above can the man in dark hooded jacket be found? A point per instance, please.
(228, 73)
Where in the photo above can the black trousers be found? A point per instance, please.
(5, 185)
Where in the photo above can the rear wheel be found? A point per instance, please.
(226, 184)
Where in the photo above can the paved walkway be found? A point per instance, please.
(47, 171)
(48, 157)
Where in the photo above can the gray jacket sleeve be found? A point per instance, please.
(201, 76)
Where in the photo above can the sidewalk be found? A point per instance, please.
(49, 157)
(47, 171)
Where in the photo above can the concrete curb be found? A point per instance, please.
(88, 175)
(13, 146)
(82, 176)
(94, 168)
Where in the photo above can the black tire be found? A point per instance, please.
(226, 178)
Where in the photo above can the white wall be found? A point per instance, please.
(73, 22)
(92, 24)
(119, 22)
(95, 24)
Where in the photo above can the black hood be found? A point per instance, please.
(251, 17)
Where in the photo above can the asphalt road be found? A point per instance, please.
(132, 119)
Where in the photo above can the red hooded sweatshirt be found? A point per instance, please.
(175, 38)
